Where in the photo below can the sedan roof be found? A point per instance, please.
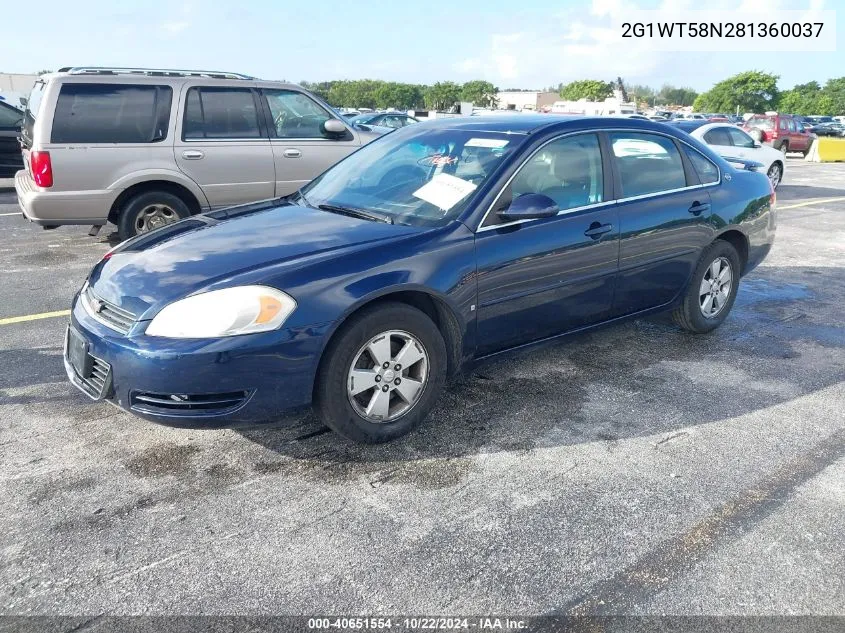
(533, 123)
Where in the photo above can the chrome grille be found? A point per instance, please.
(108, 313)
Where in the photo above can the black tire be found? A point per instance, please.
(777, 165)
(784, 147)
(127, 221)
(688, 314)
(331, 402)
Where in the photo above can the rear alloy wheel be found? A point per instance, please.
(775, 174)
(712, 289)
(148, 211)
(784, 148)
(381, 374)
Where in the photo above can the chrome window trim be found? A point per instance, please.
(481, 228)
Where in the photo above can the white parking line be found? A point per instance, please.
(3, 214)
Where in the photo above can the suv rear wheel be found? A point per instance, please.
(148, 211)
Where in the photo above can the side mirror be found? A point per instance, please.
(530, 206)
(757, 145)
(335, 128)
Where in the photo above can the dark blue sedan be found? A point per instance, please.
(427, 250)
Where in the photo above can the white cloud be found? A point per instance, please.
(175, 27)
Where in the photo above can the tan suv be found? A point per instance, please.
(141, 148)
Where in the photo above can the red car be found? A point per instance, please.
(781, 131)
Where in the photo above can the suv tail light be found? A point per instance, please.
(42, 168)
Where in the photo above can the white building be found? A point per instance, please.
(609, 107)
(612, 106)
(13, 87)
(534, 100)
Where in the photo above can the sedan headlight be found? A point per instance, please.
(226, 312)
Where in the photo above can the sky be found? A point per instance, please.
(512, 43)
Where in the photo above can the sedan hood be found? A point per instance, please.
(155, 269)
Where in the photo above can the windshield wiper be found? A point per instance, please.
(357, 213)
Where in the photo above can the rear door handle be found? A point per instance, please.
(698, 208)
(292, 153)
(192, 154)
(596, 230)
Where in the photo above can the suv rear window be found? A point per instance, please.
(33, 103)
(762, 123)
(111, 113)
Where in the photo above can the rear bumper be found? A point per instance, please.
(237, 380)
(52, 208)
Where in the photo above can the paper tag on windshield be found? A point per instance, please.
(492, 143)
(444, 191)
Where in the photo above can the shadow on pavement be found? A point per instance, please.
(783, 339)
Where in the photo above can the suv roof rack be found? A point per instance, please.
(151, 72)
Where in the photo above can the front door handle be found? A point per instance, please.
(292, 153)
(192, 154)
(698, 208)
(596, 230)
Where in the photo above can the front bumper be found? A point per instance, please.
(201, 383)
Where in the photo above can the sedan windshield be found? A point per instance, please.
(418, 175)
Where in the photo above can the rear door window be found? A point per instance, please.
(707, 172)
(220, 113)
(647, 163)
(717, 136)
(111, 113)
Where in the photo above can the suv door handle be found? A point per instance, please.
(596, 230)
(192, 154)
(698, 208)
(292, 153)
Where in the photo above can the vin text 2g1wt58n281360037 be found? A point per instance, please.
(433, 247)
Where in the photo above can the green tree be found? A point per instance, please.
(805, 99)
(43, 72)
(672, 95)
(443, 95)
(590, 89)
(835, 89)
(751, 91)
(481, 93)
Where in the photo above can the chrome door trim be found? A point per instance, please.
(481, 228)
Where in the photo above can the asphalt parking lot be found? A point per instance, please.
(636, 469)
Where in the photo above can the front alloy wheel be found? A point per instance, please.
(387, 376)
(381, 373)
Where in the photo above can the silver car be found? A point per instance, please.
(142, 148)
